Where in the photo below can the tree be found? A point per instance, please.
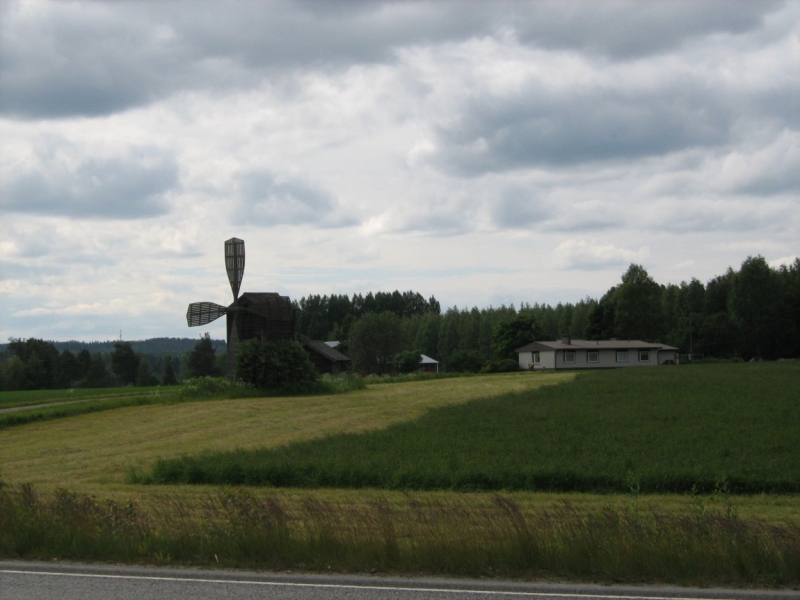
(36, 375)
(97, 376)
(14, 374)
(513, 334)
(84, 359)
(169, 373)
(125, 363)
(68, 370)
(41, 370)
(755, 300)
(637, 306)
(374, 341)
(407, 361)
(201, 360)
(465, 361)
(281, 366)
(144, 377)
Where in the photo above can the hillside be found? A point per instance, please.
(154, 346)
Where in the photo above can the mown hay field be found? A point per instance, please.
(100, 448)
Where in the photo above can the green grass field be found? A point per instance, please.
(731, 427)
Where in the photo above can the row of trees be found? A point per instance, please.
(752, 312)
(34, 364)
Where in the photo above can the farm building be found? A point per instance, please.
(326, 359)
(428, 364)
(586, 354)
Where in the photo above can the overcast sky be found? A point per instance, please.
(484, 153)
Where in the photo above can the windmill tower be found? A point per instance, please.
(265, 316)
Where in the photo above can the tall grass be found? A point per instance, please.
(669, 430)
(422, 534)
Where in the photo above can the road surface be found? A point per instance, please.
(71, 581)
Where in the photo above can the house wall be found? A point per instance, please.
(665, 355)
(548, 360)
(607, 359)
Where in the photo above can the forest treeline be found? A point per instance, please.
(752, 312)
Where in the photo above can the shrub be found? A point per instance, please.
(507, 365)
(407, 362)
(469, 361)
(282, 367)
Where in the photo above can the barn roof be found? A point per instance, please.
(323, 349)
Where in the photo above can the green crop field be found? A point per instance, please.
(727, 426)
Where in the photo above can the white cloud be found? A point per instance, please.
(593, 255)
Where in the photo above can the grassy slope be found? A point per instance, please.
(81, 450)
(664, 429)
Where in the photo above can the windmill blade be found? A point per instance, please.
(202, 313)
(234, 264)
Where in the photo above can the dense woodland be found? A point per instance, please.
(744, 314)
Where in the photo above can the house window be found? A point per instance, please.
(569, 356)
(536, 358)
(592, 356)
(622, 356)
(644, 356)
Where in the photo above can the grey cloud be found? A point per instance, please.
(634, 29)
(96, 58)
(267, 200)
(519, 208)
(131, 187)
(542, 127)
(703, 215)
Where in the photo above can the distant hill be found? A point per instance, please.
(156, 346)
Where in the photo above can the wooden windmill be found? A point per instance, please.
(265, 316)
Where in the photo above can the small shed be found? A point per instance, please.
(427, 364)
(326, 359)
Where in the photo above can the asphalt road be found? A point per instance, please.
(68, 581)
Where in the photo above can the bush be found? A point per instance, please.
(407, 362)
(461, 361)
(204, 387)
(282, 367)
(507, 365)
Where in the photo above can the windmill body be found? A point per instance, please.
(264, 316)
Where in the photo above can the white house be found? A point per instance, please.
(585, 354)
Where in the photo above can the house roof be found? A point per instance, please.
(323, 349)
(427, 360)
(333, 344)
(594, 345)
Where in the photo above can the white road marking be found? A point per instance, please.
(352, 586)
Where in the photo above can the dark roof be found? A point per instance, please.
(594, 345)
(322, 348)
(269, 304)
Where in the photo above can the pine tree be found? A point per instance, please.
(169, 373)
